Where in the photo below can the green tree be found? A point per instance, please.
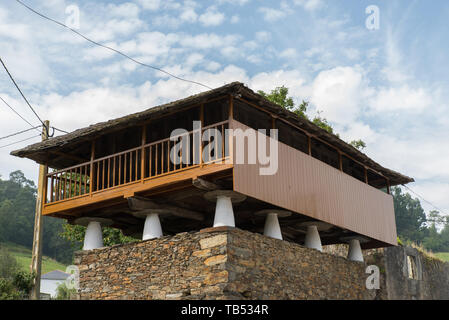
(8, 264)
(64, 293)
(111, 236)
(15, 284)
(410, 216)
(17, 209)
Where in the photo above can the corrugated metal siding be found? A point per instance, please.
(308, 186)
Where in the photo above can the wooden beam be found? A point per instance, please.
(204, 184)
(69, 156)
(140, 203)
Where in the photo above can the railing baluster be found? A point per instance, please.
(137, 166)
(124, 169)
(85, 179)
(51, 188)
(109, 172)
(119, 170)
(64, 195)
(113, 172)
(157, 158)
(150, 164)
(168, 156)
(98, 174)
(223, 139)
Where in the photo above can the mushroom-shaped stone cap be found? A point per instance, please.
(279, 212)
(235, 196)
(320, 225)
(84, 221)
(146, 212)
(361, 239)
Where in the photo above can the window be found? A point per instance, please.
(412, 268)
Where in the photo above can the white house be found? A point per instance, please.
(51, 280)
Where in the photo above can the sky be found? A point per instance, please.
(377, 69)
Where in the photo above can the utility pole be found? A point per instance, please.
(36, 259)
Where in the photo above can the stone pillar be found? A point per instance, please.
(224, 213)
(355, 251)
(152, 228)
(93, 239)
(313, 238)
(272, 228)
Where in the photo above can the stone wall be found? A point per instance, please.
(430, 281)
(218, 263)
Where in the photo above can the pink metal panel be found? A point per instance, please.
(308, 186)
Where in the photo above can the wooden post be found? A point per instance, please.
(309, 140)
(366, 175)
(142, 154)
(92, 157)
(36, 258)
(231, 136)
(201, 133)
(340, 161)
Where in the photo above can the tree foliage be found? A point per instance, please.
(17, 210)
(15, 284)
(111, 236)
(64, 293)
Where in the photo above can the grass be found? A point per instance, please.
(23, 257)
(443, 256)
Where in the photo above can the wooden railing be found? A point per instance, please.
(134, 165)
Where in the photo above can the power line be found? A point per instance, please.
(63, 131)
(7, 145)
(422, 198)
(16, 112)
(110, 48)
(21, 93)
(17, 133)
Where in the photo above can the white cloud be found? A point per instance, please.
(271, 14)
(150, 4)
(189, 15)
(309, 4)
(263, 36)
(289, 53)
(208, 41)
(401, 98)
(212, 17)
(127, 10)
(235, 2)
(338, 93)
(235, 19)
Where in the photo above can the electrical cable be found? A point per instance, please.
(10, 144)
(19, 132)
(110, 48)
(16, 112)
(422, 198)
(20, 91)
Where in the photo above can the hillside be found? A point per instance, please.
(443, 256)
(23, 257)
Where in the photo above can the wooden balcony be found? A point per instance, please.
(111, 179)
